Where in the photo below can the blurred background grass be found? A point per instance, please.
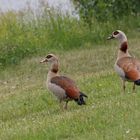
(24, 33)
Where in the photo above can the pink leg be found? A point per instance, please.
(66, 105)
(123, 84)
(133, 89)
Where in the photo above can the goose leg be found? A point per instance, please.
(66, 105)
(61, 104)
(123, 85)
(133, 89)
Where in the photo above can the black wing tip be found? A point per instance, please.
(81, 100)
(83, 94)
(137, 82)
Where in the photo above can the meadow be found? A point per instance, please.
(28, 111)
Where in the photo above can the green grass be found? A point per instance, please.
(28, 111)
(21, 37)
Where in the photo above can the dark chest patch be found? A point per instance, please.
(124, 47)
(55, 70)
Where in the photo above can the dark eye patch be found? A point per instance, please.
(116, 32)
(48, 56)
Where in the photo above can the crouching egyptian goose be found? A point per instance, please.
(62, 87)
(126, 66)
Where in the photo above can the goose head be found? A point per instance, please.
(50, 58)
(118, 35)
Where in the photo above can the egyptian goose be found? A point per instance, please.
(127, 67)
(62, 87)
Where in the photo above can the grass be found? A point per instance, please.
(28, 111)
(21, 37)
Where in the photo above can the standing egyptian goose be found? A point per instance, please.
(127, 67)
(62, 87)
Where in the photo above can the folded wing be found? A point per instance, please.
(131, 67)
(68, 85)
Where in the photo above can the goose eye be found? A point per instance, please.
(48, 56)
(116, 32)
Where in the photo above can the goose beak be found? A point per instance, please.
(110, 37)
(44, 60)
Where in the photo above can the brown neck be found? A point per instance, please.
(124, 47)
(54, 68)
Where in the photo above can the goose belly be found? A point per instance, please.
(120, 72)
(57, 90)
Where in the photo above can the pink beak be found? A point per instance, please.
(44, 60)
